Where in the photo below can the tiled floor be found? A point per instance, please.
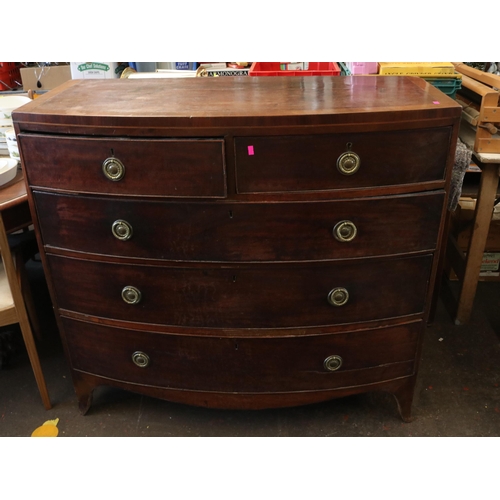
(458, 393)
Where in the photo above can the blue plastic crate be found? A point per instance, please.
(344, 70)
(448, 86)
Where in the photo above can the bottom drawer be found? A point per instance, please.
(257, 365)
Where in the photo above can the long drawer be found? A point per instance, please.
(241, 231)
(243, 364)
(161, 167)
(251, 296)
(309, 162)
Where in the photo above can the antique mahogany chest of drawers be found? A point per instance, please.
(241, 242)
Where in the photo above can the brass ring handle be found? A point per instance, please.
(113, 169)
(345, 231)
(332, 363)
(348, 163)
(131, 295)
(140, 359)
(121, 230)
(338, 297)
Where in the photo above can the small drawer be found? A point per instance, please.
(340, 161)
(225, 231)
(243, 364)
(250, 296)
(155, 167)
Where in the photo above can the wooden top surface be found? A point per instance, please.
(14, 192)
(245, 101)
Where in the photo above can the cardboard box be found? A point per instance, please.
(490, 268)
(416, 68)
(48, 76)
(294, 66)
(462, 225)
(92, 70)
(462, 228)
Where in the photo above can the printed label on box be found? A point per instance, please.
(185, 66)
(91, 70)
(490, 265)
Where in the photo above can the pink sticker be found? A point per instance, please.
(250, 150)
(435, 102)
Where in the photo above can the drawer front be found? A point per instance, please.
(162, 167)
(264, 296)
(309, 163)
(242, 232)
(242, 364)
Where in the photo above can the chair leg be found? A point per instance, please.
(29, 341)
(24, 284)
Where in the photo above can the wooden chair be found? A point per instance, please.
(14, 304)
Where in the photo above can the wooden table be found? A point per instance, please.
(467, 267)
(15, 215)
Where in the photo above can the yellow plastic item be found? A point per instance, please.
(423, 69)
(47, 429)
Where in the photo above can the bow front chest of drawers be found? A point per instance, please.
(241, 242)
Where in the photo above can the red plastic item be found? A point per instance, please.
(10, 76)
(273, 69)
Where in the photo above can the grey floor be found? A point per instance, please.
(458, 392)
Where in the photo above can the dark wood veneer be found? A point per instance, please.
(232, 247)
(162, 167)
(308, 163)
(246, 232)
(252, 296)
(243, 365)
